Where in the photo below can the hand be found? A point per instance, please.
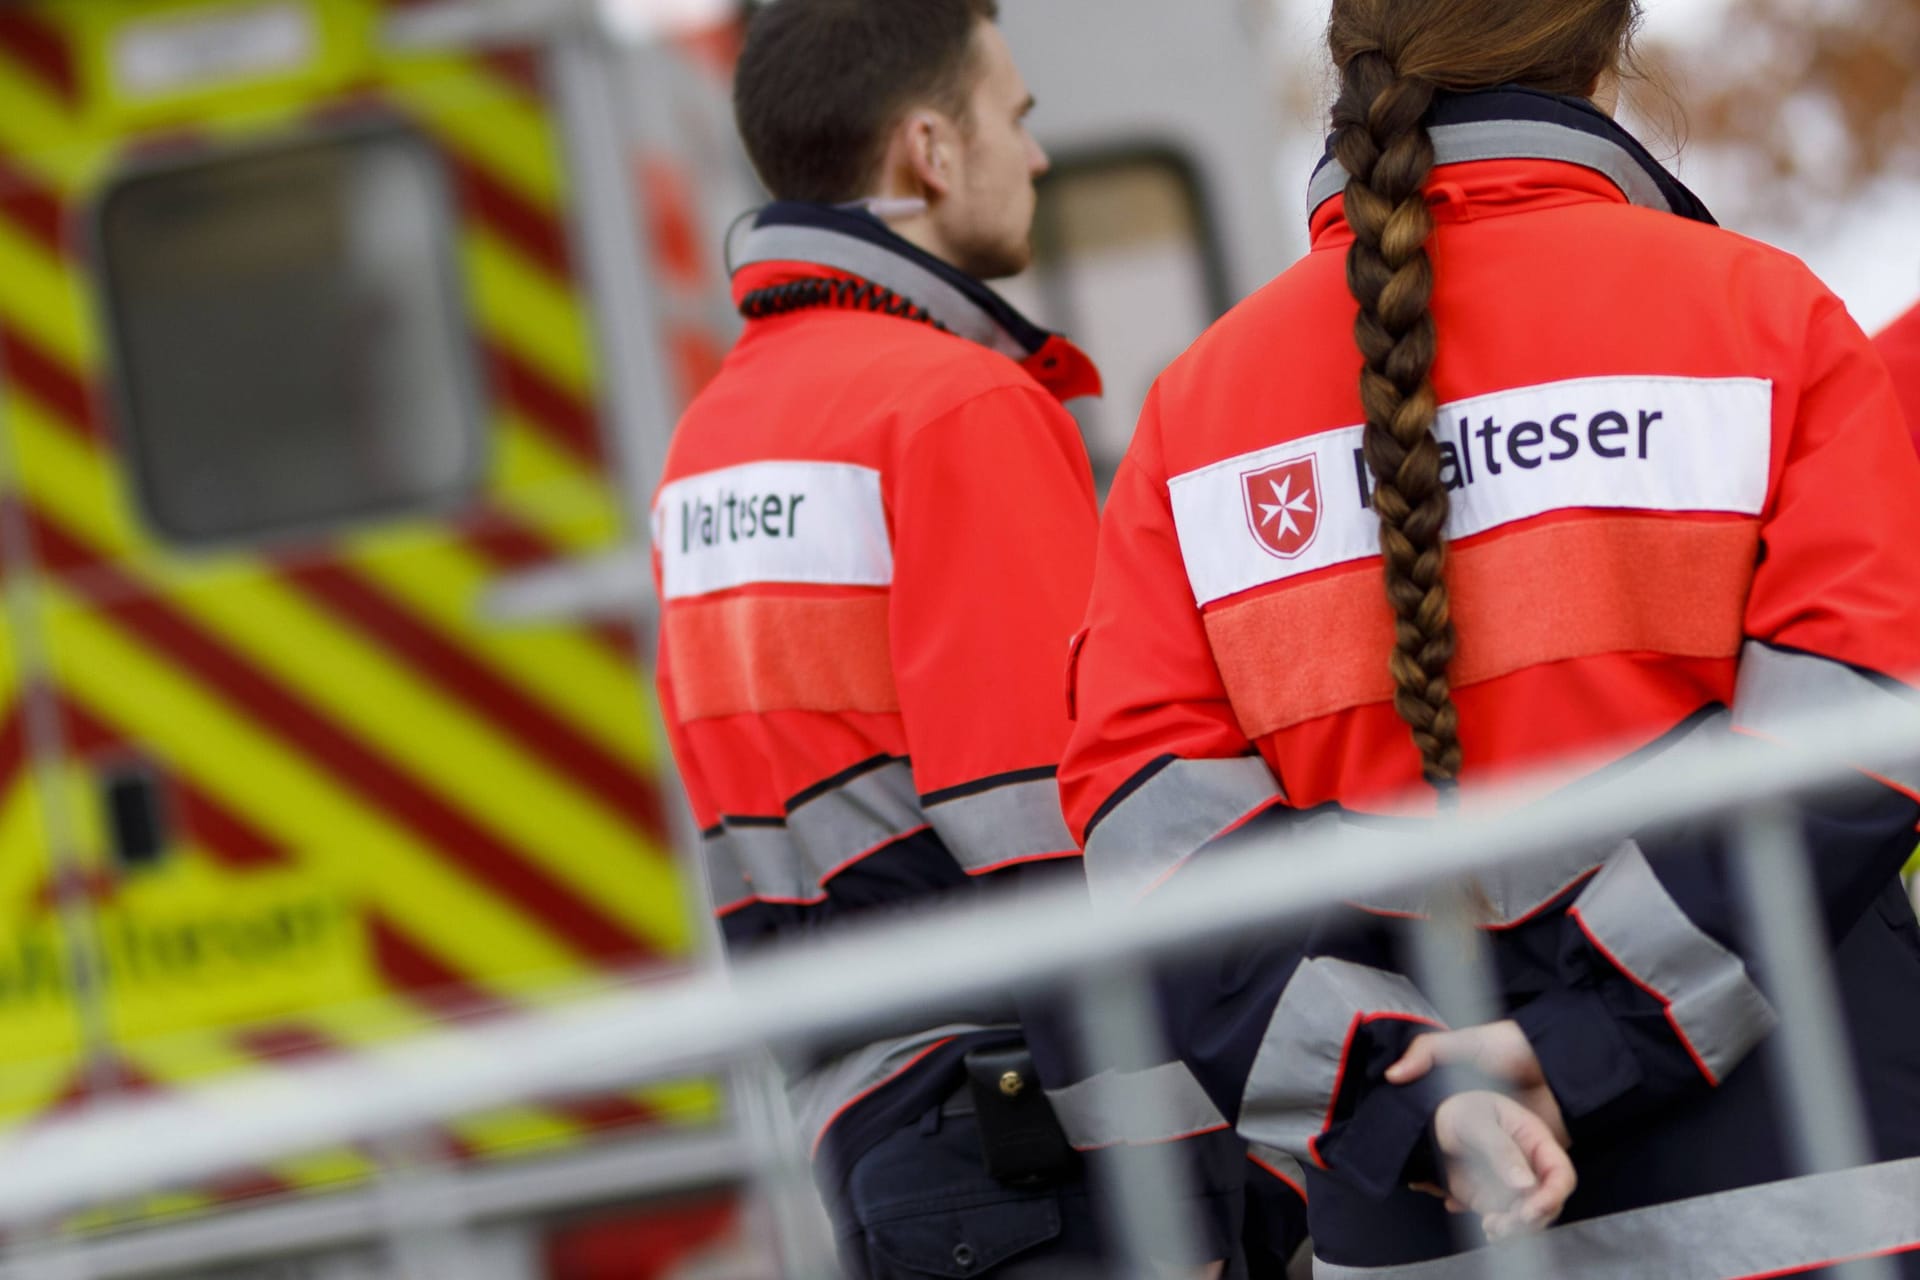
(1501, 1163)
(1497, 1049)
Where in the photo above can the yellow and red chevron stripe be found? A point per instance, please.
(490, 798)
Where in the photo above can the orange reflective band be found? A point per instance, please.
(753, 654)
(1677, 587)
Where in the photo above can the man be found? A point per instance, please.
(873, 542)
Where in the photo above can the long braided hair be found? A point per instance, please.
(1394, 57)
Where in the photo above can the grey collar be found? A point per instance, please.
(1514, 123)
(786, 233)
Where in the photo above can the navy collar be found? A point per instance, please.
(855, 242)
(1513, 123)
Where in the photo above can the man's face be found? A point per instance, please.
(986, 220)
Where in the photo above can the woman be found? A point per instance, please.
(1630, 481)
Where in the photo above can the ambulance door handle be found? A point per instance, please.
(136, 817)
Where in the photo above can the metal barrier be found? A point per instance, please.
(1057, 940)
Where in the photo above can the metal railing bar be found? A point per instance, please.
(800, 1234)
(422, 1206)
(52, 1262)
(1147, 1186)
(879, 972)
(621, 1171)
(1825, 1122)
(1453, 968)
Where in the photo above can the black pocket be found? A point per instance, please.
(1020, 1138)
(958, 1240)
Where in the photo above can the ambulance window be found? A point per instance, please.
(289, 337)
(1127, 264)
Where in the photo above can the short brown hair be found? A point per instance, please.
(821, 82)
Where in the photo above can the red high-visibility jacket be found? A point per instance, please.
(1681, 498)
(873, 542)
(1899, 346)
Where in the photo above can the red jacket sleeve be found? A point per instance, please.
(1147, 694)
(1899, 346)
(1659, 998)
(993, 518)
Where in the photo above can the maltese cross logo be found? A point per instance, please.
(1283, 506)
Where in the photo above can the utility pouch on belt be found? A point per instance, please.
(1020, 1136)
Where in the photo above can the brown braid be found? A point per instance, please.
(1381, 139)
(1394, 56)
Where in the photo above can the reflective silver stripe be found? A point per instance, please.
(727, 883)
(855, 818)
(769, 862)
(1710, 997)
(1513, 892)
(1010, 823)
(1282, 1165)
(1518, 891)
(888, 270)
(1774, 1228)
(1518, 140)
(792, 861)
(1135, 1108)
(1176, 811)
(820, 1095)
(1777, 688)
(1297, 1072)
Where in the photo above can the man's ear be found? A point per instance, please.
(925, 148)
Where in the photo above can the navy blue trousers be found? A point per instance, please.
(920, 1203)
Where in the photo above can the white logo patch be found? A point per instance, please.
(810, 522)
(1624, 443)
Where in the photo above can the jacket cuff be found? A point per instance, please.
(1387, 1141)
(1584, 1056)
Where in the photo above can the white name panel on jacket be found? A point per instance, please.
(1639, 443)
(820, 523)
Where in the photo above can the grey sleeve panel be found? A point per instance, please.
(1183, 807)
(1135, 1108)
(1017, 822)
(791, 860)
(1778, 688)
(1711, 998)
(1296, 1074)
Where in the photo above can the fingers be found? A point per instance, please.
(1500, 1049)
(1534, 1211)
(1497, 1047)
(1542, 1103)
(1508, 1145)
(1503, 1163)
(1552, 1170)
(1502, 1226)
(1439, 1193)
(1548, 1160)
(1421, 1057)
(1487, 1169)
(1557, 1183)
